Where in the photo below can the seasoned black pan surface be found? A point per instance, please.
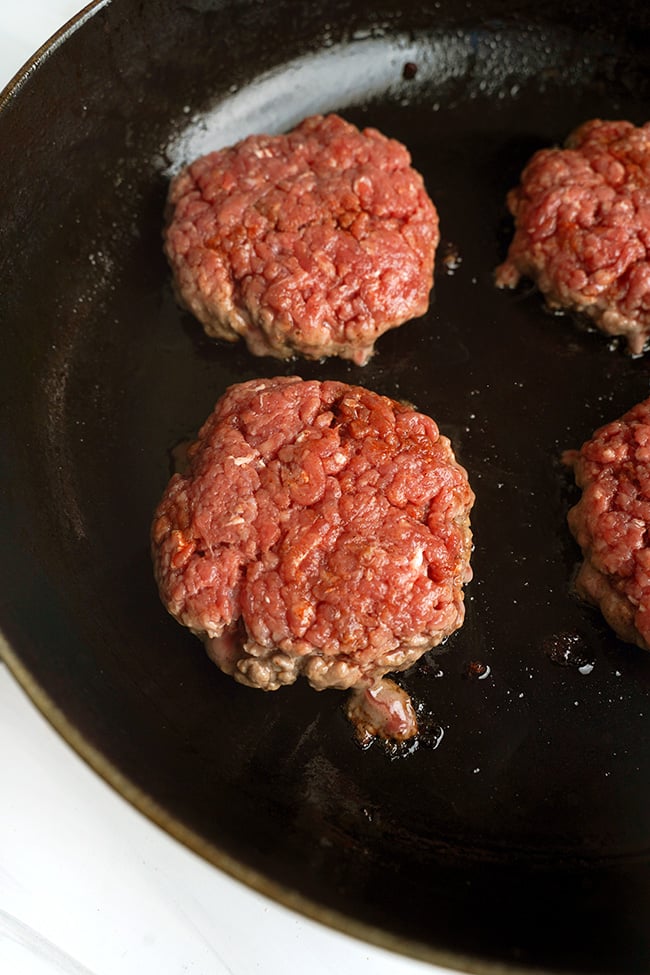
(516, 837)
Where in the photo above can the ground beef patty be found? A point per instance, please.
(313, 243)
(611, 521)
(321, 530)
(582, 227)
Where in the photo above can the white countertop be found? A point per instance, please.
(87, 884)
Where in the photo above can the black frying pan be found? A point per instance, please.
(520, 842)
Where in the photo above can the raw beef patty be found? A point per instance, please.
(312, 243)
(321, 530)
(582, 227)
(611, 521)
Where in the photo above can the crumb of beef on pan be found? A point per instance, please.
(582, 227)
(321, 530)
(314, 242)
(610, 522)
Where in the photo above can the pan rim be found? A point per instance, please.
(23, 74)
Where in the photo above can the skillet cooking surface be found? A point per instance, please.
(522, 838)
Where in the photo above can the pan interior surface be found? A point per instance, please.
(515, 837)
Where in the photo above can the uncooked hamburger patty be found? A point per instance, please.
(611, 521)
(321, 530)
(582, 227)
(313, 243)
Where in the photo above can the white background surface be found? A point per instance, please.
(87, 884)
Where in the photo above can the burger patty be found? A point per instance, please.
(611, 521)
(314, 243)
(582, 227)
(322, 530)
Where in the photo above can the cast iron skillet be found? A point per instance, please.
(521, 841)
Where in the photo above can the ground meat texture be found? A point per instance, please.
(321, 530)
(582, 228)
(312, 243)
(611, 521)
